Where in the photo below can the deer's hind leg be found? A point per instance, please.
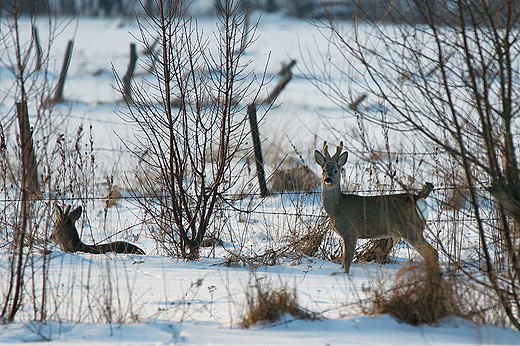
(428, 252)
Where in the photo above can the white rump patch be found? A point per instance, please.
(422, 208)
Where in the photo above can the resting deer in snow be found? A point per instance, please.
(356, 217)
(67, 237)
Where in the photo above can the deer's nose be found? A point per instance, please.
(328, 181)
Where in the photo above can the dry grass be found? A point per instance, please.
(310, 245)
(270, 257)
(376, 250)
(456, 198)
(419, 296)
(268, 305)
(297, 178)
(113, 196)
(317, 239)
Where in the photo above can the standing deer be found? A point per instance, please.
(66, 236)
(356, 217)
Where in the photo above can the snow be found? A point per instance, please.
(346, 331)
(201, 303)
(192, 314)
(163, 301)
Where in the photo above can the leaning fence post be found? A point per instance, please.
(271, 6)
(354, 104)
(251, 112)
(58, 97)
(245, 33)
(286, 74)
(38, 50)
(127, 78)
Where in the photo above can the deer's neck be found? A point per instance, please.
(330, 197)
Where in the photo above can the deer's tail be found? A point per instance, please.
(117, 246)
(420, 204)
(425, 191)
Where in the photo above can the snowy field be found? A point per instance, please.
(164, 301)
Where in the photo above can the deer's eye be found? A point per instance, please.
(335, 171)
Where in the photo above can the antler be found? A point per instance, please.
(338, 151)
(325, 150)
(336, 154)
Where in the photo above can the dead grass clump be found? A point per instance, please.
(375, 250)
(236, 260)
(320, 243)
(297, 178)
(418, 296)
(268, 305)
(314, 237)
(311, 244)
(113, 195)
(211, 240)
(456, 198)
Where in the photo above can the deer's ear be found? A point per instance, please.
(59, 211)
(320, 159)
(75, 214)
(342, 159)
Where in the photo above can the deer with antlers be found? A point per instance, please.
(356, 217)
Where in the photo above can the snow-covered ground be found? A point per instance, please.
(165, 301)
(202, 303)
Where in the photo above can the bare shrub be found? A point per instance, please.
(191, 121)
(458, 102)
(268, 305)
(26, 150)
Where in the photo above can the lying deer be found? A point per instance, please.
(66, 236)
(356, 217)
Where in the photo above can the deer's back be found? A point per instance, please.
(377, 216)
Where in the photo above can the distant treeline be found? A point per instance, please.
(413, 11)
(443, 12)
(73, 7)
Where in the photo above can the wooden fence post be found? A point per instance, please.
(38, 50)
(127, 78)
(58, 97)
(286, 74)
(26, 143)
(245, 32)
(271, 6)
(251, 112)
(354, 104)
(27, 180)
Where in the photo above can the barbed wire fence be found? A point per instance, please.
(362, 178)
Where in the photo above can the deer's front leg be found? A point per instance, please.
(349, 248)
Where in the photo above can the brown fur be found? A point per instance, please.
(356, 217)
(67, 238)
